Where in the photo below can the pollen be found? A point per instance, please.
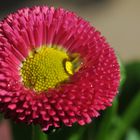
(46, 68)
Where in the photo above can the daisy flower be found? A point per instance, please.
(55, 68)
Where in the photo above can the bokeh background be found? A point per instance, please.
(119, 22)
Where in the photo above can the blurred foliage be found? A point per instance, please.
(132, 84)
(133, 134)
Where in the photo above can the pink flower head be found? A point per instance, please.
(54, 68)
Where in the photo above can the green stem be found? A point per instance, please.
(77, 135)
(107, 121)
(38, 134)
(21, 131)
(129, 117)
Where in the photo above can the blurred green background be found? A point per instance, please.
(119, 21)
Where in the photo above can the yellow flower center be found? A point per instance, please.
(46, 68)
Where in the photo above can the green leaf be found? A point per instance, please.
(123, 74)
(131, 85)
(131, 115)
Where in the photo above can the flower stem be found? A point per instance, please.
(38, 134)
(107, 121)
